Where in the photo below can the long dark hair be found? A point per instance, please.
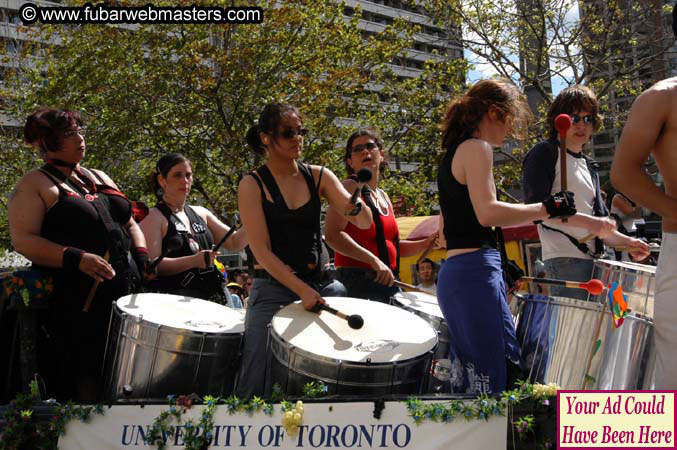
(465, 113)
(45, 128)
(163, 166)
(269, 119)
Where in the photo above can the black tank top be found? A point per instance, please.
(193, 239)
(294, 233)
(74, 221)
(461, 227)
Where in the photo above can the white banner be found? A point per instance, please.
(325, 425)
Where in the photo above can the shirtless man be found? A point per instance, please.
(652, 129)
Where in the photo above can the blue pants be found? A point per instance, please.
(471, 294)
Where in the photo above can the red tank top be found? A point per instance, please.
(367, 239)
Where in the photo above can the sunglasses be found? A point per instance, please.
(575, 118)
(289, 133)
(369, 146)
(73, 133)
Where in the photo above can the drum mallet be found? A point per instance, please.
(411, 287)
(232, 230)
(92, 290)
(562, 125)
(355, 321)
(594, 286)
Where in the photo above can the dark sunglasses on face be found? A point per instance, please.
(72, 133)
(289, 133)
(575, 118)
(369, 146)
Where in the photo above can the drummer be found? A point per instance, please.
(565, 257)
(470, 287)
(377, 248)
(187, 269)
(280, 207)
(651, 129)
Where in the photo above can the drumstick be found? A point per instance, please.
(627, 248)
(355, 321)
(92, 291)
(232, 230)
(411, 287)
(594, 286)
(173, 243)
(562, 125)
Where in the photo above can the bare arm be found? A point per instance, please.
(647, 117)
(473, 163)
(339, 198)
(343, 243)
(154, 228)
(236, 242)
(625, 207)
(27, 208)
(254, 221)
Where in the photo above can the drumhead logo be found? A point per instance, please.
(203, 323)
(377, 346)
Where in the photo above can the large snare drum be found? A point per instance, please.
(166, 344)
(391, 353)
(637, 281)
(558, 338)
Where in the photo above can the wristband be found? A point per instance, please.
(71, 259)
(140, 251)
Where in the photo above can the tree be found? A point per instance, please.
(151, 89)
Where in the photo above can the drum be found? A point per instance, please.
(426, 306)
(558, 339)
(627, 355)
(162, 344)
(637, 281)
(390, 354)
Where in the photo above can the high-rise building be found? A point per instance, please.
(639, 51)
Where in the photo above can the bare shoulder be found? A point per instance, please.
(106, 179)
(154, 217)
(473, 148)
(663, 93)
(34, 181)
(201, 211)
(247, 184)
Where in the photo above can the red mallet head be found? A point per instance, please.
(563, 123)
(594, 286)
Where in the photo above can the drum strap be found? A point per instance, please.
(380, 234)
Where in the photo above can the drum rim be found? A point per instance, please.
(558, 301)
(183, 331)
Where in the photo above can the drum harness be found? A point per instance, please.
(599, 209)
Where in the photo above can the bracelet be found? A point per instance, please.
(71, 258)
(356, 210)
(140, 251)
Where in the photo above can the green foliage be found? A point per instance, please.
(151, 89)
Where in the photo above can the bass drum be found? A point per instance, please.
(390, 354)
(426, 307)
(161, 344)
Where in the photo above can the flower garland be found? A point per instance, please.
(23, 429)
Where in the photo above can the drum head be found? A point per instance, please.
(626, 265)
(389, 333)
(419, 301)
(183, 312)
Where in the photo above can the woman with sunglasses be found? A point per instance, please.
(568, 249)
(378, 248)
(280, 207)
(75, 225)
(188, 267)
(471, 288)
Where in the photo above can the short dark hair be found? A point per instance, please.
(572, 99)
(425, 260)
(45, 128)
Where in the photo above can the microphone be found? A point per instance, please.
(363, 176)
(173, 243)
